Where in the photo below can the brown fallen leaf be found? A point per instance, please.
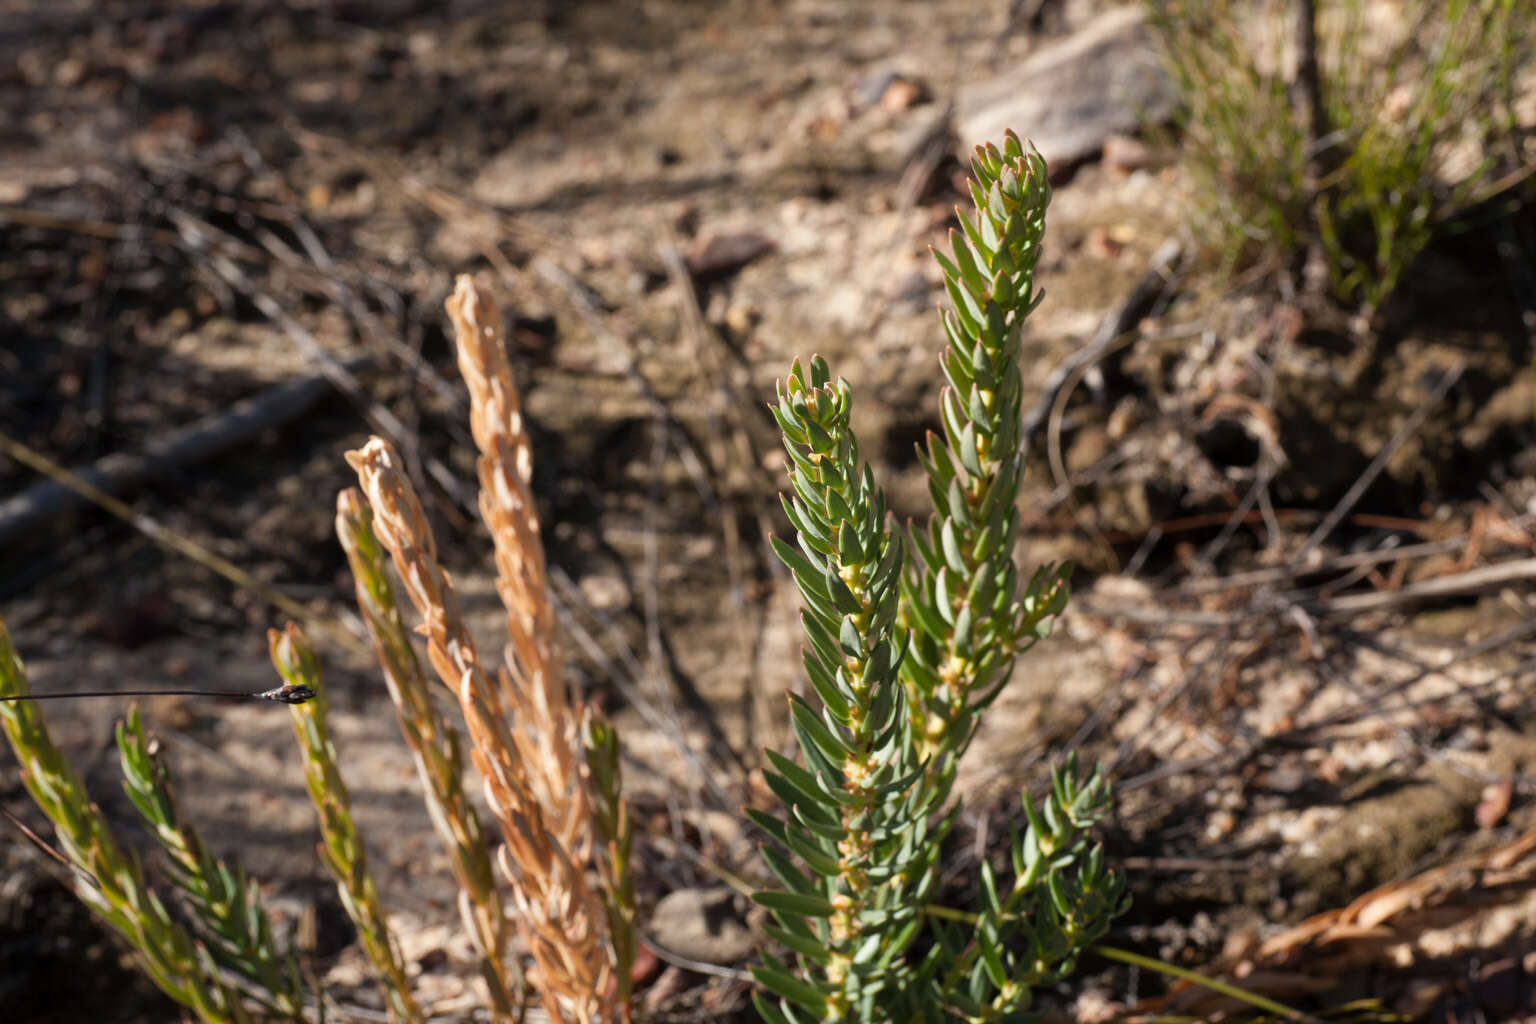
(1495, 802)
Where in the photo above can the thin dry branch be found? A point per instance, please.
(121, 472)
(727, 416)
(172, 541)
(197, 235)
(1119, 322)
(1456, 585)
(1352, 560)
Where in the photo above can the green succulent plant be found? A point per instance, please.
(907, 644)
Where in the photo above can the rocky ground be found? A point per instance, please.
(1321, 727)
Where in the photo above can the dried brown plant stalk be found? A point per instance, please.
(548, 728)
(560, 917)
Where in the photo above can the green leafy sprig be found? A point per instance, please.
(904, 658)
(1030, 933)
(113, 886)
(226, 905)
(1361, 190)
(962, 604)
(600, 745)
(857, 817)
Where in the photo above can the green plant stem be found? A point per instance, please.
(611, 811)
(1148, 963)
(435, 747)
(963, 608)
(341, 847)
(859, 812)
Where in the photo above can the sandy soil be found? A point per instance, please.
(672, 201)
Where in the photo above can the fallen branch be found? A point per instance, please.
(1284, 573)
(172, 541)
(122, 472)
(1459, 585)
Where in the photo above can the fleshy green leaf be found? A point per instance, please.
(808, 946)
(780, 982)
(831, 695)
(804, 904)
(812, 732)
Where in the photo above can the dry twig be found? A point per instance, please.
(1115, 326)
(1359, 487)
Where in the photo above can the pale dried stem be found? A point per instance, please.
(560, 917)
(548, 729)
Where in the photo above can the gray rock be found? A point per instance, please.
(703, 924)
(1070, 96)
